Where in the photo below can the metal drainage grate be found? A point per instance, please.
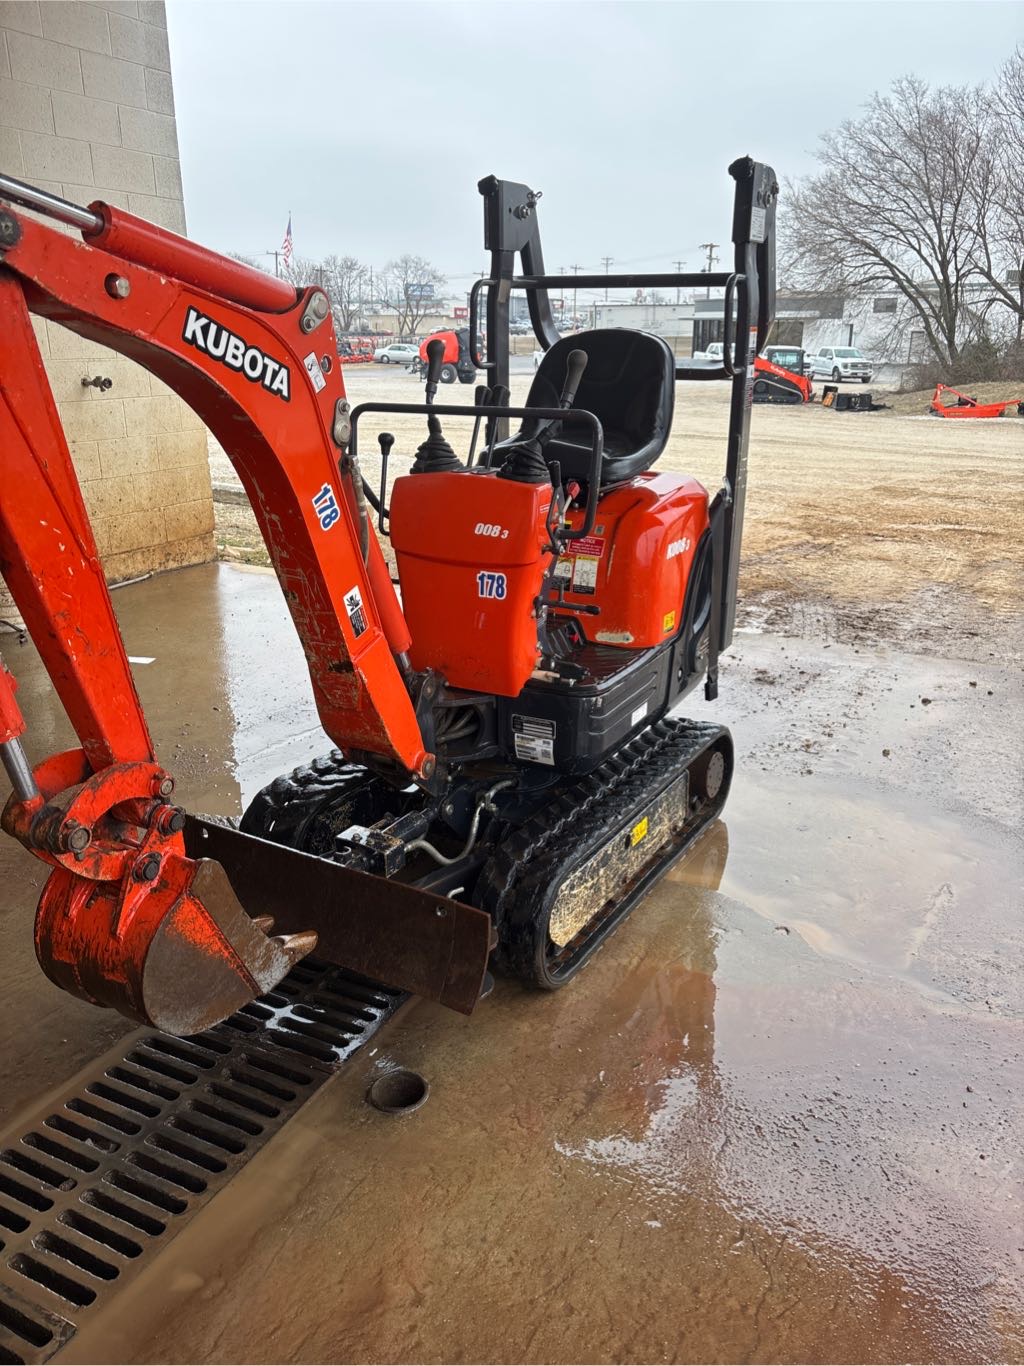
(109, 1177)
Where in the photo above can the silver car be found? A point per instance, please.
(397, 353)
(841, 362)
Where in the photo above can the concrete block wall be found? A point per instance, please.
(87, 111)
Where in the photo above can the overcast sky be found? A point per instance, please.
(372, 122)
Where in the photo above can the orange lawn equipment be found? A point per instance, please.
(965, 406)
(773, 383)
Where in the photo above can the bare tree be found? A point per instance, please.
(894, 208)
(410, 286)
(341, 278)
(1008, 193)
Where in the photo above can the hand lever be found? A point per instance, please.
(480, 399)
(575, 366)
(435, 455)
(500, 396)
(435, 359)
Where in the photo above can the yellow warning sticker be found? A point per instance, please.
(638, 833)
(668, 621)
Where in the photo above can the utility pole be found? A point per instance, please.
(606, 262)
(575, 270)
(561, 297)
(709, 247)
(679, 270)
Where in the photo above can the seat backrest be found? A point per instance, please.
(629, 385)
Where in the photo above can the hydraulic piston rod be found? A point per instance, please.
(31, 197)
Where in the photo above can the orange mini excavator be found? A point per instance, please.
(510, 778)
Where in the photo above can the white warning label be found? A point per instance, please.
(314, 372)
(584, 574)
(534, 739)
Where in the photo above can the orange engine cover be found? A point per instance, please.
(636, 564)
(471, 559)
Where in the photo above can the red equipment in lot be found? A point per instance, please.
(964, 406)
(775, 384)
(506, 744)
(356, 350)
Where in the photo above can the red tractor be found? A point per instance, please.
(456, 359)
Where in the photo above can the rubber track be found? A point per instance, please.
(284, 809)
(517, 863)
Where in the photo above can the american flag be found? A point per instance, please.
(286, 245)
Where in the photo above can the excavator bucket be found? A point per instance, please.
(181, 960)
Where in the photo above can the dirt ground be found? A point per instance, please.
(859, 526)
(779, 1118)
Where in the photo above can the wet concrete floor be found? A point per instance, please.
(779, 1117)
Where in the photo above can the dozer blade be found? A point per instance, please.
(394, 933)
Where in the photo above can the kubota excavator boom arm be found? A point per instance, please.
(126, 919)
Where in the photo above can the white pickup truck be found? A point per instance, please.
(712, 352)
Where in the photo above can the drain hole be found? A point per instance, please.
(211, 1043)
(399, 1092)
(118, 1123)
(9, 1359)
(23, 1327)
(338, 1003)
(314, 1031)
(260, 1084)
(226, 1142)
(82, 1133)
(334, 1017)
(272, 998)
(257, 1011)
(241, 1024)
(48, 1276)
(46, 1176)
(127, 1214)
(173, 1175)
(186, 1152)
(99, 1233)
(149, 1194)
(222, 1116)
(175, 1049)
(118, 1097)
(259, 1107)
(25, 1195)
(142, 1083)
(58, 1150)
(77, 1256)
(351, 991)
(15, 1222)
(275, 1069)
(295, 1043)
(161, 1065)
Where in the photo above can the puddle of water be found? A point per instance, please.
(719, 1144)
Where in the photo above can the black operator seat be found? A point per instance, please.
(629, 385)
